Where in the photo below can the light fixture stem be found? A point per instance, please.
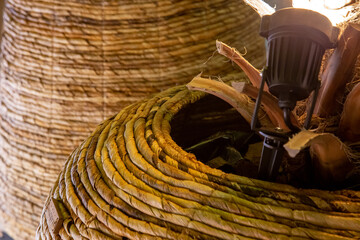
(287, 119)
(258, 102)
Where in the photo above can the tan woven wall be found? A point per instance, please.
(69, 64)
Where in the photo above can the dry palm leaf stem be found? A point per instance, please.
(241, 102)
(238, 98)
(270, 103)
(251, 72)
(349, 126)
(338, 71)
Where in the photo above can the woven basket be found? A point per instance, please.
(130, 179)
(67, 65)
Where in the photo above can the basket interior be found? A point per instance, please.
(219, 137)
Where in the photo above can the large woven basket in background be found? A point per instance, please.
(131, 179)
(67, 65)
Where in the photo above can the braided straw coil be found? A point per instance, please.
(67, 65)
(130, 179)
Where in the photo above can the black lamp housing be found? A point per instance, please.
(296, 42)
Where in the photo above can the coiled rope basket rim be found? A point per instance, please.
(130, 179)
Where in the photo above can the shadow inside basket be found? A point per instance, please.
(219, 137)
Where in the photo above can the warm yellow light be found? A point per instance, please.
(337, 11)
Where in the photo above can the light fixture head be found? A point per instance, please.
(296, 42)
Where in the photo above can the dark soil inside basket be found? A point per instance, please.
(219, 137)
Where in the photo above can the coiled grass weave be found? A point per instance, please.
(131, 180)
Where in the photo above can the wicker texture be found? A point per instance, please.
(67, 65)
(130, 179)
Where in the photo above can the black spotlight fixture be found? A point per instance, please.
(296, 41)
